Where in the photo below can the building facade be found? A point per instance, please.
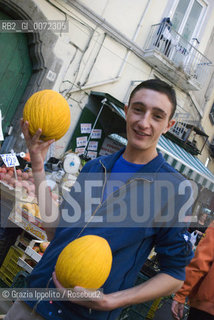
(110, 47)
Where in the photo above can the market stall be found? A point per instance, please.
(23, 239)
(22, 236)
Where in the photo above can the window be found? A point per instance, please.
(187, 18)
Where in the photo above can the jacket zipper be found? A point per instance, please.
(124, 185)
(101, 203)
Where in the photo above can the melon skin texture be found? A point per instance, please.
(84, 262)
(47, 110)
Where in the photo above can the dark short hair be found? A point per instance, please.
(160, 86)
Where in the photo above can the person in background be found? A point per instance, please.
(199, 284)
(198, 228)
(163, 36)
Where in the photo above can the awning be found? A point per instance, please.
(190, 166)
(186, 163)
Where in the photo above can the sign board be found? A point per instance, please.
(85, 128)
(10, 159)
(81, 141)
(110, 146)
(28, 223)
(96, 134)
(92, 154)
(93, 145)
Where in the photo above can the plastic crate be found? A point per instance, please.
(7, 239)
(25, 265)
(142, 311)
(130, 314)
(20, 280)
(3, 284)
(148, 308)
(153, 308)
(142, 308)
(9, 268)
(3, 250)
(30, 257)
(24, 240)
(33, 254)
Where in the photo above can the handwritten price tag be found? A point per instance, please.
(10, 160)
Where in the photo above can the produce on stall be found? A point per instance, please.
(24, 182)
(23, 213)
(21, 256)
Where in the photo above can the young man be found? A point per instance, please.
(131, 238)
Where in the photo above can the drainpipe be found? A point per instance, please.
(133, 39)
(95, 84)
(112, 80)
(94, 61)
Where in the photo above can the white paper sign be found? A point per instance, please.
(85, 127)
(92, 154)
(93, 145)
(109, 146)
(81, 141)
(1, 132)
(96, 134)
(10, 160)
(80, 151)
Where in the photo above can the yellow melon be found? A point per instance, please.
(49, 111)
(84, 262)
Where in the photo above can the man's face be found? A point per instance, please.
(147, 117)
(203, 217)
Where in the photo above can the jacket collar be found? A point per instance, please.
(153, 166)
(109, 161)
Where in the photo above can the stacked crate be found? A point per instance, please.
(142, 311)
(9, 267)
(20, 257)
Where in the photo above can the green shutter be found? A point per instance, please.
(15, 71)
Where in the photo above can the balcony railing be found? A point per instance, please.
(179, 128)
(182, 54)
(183, 121)
(185, 133)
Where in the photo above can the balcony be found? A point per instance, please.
(175, 58)
(185, 133)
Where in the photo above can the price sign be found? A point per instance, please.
(10, 160)
(96, 134)
(85, 127)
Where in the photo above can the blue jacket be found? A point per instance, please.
(130, 244)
